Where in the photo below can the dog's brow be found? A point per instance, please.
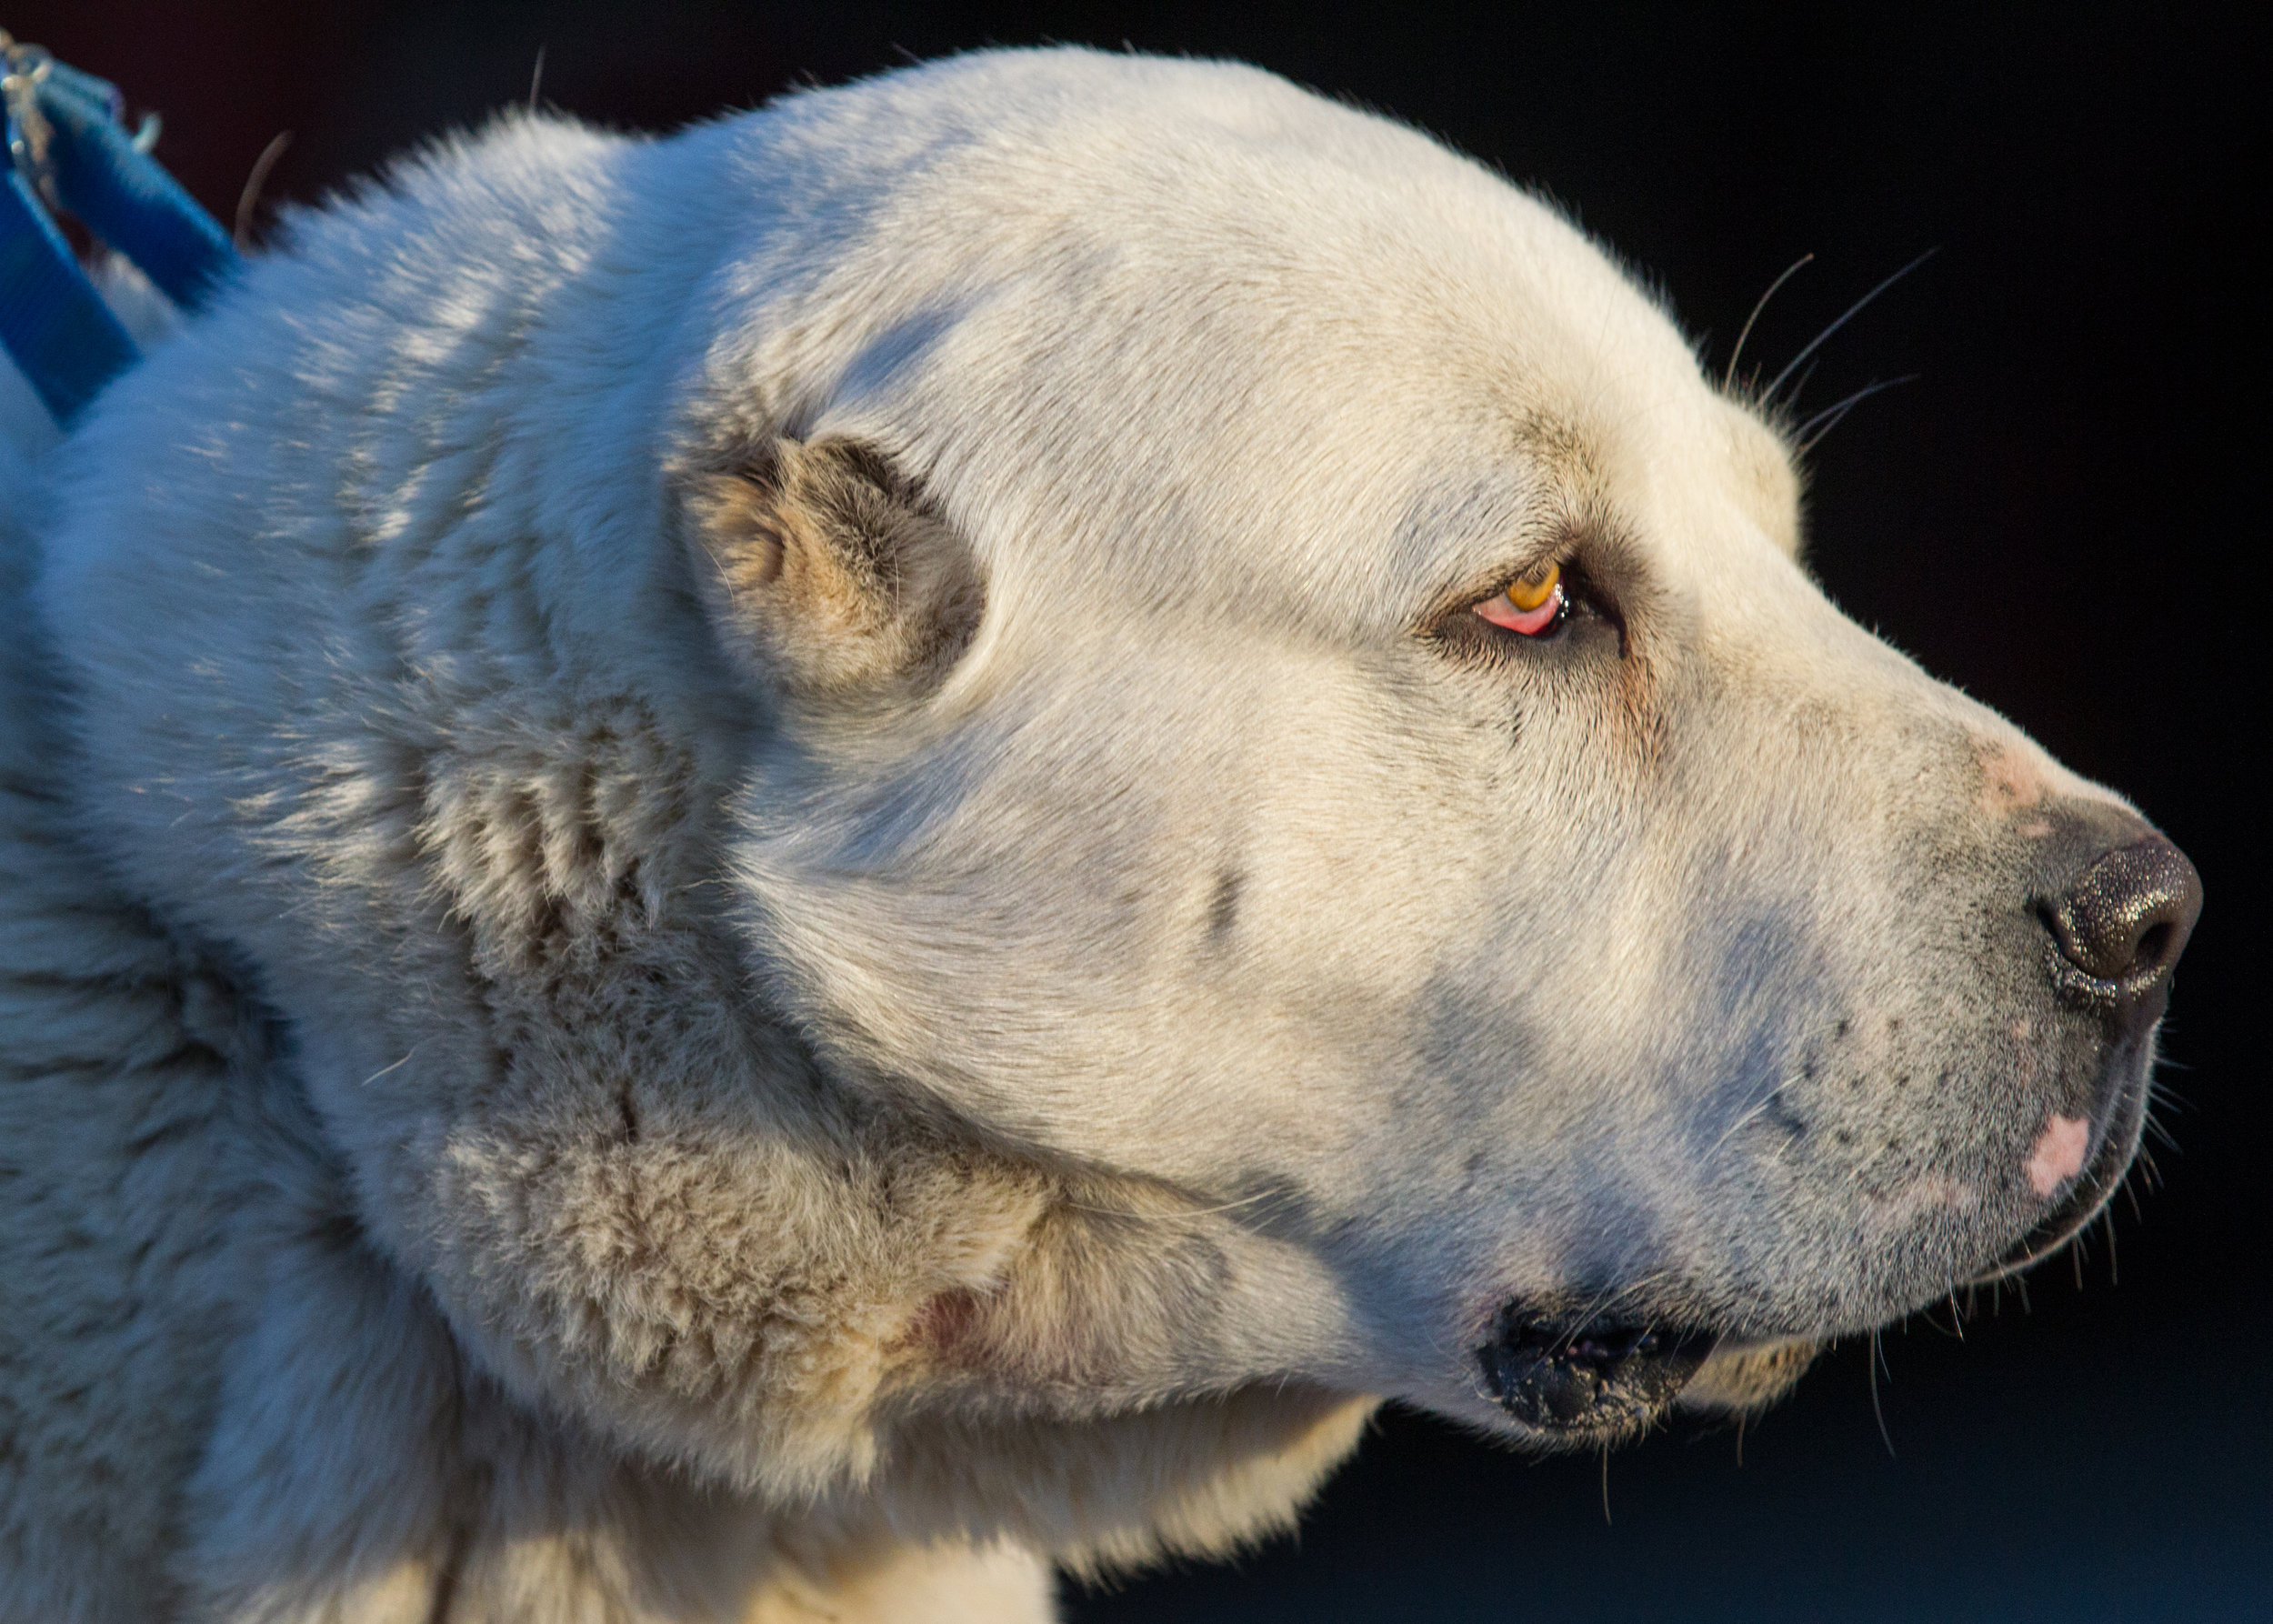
(1560, 448)
(1523, 512)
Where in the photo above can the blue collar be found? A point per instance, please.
(70, 152)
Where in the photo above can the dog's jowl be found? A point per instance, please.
(779, 873)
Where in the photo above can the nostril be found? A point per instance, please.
(2125, 920)
(2055, 926)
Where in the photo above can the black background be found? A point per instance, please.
(2056, 515)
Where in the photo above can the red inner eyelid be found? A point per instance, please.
(1502, 612)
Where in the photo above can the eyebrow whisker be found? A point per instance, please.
(1806, 434)
(1728, 377)
(1847, 315)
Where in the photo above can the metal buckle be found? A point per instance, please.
(28, 131)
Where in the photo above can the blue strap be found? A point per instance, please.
(66, 141)
(124, 196)
(57, 330)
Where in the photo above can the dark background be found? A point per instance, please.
(2055, 515)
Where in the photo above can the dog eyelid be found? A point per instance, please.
(1531, 607)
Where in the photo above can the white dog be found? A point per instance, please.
(774, 874)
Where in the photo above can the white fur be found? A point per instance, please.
(522, 1106)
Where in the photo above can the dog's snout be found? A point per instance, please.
(2123, 921)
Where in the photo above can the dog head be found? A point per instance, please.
(1066, 752)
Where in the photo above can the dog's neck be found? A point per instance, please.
(453, 775)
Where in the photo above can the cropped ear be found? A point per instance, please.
(826, 570)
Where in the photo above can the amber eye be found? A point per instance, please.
(1533, 606)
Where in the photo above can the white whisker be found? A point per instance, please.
(1807, 436)
(1876, 1409)
(1729, 377)
(1849, 314)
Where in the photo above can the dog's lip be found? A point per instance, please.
(1587, 1375)
(2093, 1189)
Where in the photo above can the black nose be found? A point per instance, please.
(2125, 920)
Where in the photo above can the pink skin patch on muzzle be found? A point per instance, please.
(2059, 1155)
(2012, 776)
